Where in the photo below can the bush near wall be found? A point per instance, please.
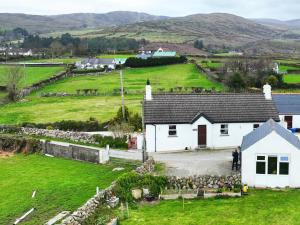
(129, 181)
(70, 125)
(136, 62)
(116, 143)
(19, 144)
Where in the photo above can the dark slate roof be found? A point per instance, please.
(288, 104)
(265, 130)
(217, 108)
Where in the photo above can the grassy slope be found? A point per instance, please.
(61, 185)
(37, 109)
(292, 78)
(283, 68)
(261, 207)
(32, 74)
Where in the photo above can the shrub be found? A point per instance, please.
(137, 62)
(119, 142)
(128, 181)
(70, 125)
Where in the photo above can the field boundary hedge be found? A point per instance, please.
(137, 62)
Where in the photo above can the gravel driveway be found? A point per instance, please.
(204, 162)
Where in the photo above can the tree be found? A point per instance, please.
(272, 80)
(236, 82)
(13, 79)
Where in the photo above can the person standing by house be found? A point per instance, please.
(235, 160)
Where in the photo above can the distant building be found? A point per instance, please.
(144, 55)
(120, 61)
(96, 63)
(163, 53)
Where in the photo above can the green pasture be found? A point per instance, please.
(60, 184)
(291, 78)
(31, 74)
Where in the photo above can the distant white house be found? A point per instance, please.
(192, 121)
(271, 157)
(288, 106)
(96, 63)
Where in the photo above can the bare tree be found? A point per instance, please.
(13, 80)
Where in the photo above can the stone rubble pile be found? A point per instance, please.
(147, 167)
(195, 182)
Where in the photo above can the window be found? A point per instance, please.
(224, 129)
(172, 130)
(255, 126)
(284, 165)
(272, 164)
(261, 164)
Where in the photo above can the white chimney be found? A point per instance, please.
(148, 96)
(267, 90)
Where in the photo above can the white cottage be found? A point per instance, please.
(271, 157)
(288, 106)
(192, 121)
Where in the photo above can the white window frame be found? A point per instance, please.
(225, 130)
(262, 160)
(283, 161)
(279, 160)
(172, 130)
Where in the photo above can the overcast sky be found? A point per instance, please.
(278, 9)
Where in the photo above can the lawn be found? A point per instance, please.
(32, 74)
(61, 185)
(261, 207)
(291, 78)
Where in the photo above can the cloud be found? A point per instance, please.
(278, 9)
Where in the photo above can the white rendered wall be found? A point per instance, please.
(271, 144)
(187, 136)
(296, 120)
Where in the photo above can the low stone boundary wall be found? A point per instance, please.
(76, 152)
(196, 182)
(73, 136)
(26, 91)
(89, 208)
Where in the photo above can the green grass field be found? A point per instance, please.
(291, 78)
(284, 68)
(261, 207)
(61, 185)
(135, 80)
(41, 109)
(32, 74)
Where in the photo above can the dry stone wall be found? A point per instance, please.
(196, 182)
(89, 208)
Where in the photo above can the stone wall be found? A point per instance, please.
(196, 182)
(73, 136)
(89, 208)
